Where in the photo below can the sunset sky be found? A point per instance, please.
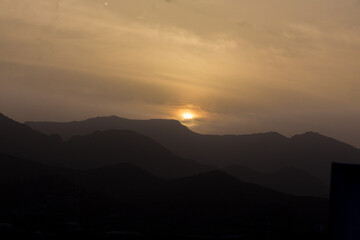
(238, 66)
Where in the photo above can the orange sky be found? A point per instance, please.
(239, 66)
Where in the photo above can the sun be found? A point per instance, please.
(188, 116)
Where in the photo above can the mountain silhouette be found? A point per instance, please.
(106, 148)
(265, 152)
(286, 179)
(102, 148)
(315, 153)
(157, 128)
(114, 193)
(19, 140)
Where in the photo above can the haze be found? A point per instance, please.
(238, 66)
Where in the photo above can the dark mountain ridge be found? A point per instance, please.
(22, 141)
(264, 152)
(101, 148)
(70, 129)
(110, 147)
(106, 148)
(110, 193)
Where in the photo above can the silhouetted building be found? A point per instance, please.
(345, 202)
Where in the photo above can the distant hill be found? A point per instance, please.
(95, 150)
(266, 152)
(155, 127)
(107, 148)
(286, 179)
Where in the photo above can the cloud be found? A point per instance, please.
(243, 64)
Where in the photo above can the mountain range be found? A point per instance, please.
(108, 176)
(265, 152)
(101, 148)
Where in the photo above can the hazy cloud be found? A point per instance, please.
(244, 65)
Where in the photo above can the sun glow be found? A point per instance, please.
(188, 116)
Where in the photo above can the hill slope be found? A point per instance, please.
(287, 180)
(20, 140)
(110, 147)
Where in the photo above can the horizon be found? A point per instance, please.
(189, 128)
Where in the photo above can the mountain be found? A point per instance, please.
(20, 140)
(286, 179)
(157, 128)
(208, 149)
(266, 152)
(106, 148)
(315, 153)
(102, 148)
(122, 182)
